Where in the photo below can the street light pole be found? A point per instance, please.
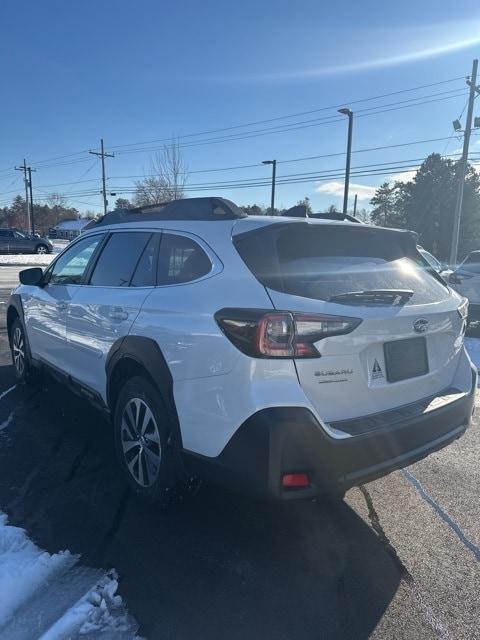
(274, 177)
(349, 113)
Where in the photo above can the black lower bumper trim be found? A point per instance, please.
(277, 441)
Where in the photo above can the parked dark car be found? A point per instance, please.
(14, 241)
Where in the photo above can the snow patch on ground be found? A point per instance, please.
(33, 259)
(23, 568)
(98, 612)
(26, 575)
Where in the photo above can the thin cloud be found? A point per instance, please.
(403, 176)
(334, 188)
(416, 43)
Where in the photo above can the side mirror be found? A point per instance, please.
(32, 277)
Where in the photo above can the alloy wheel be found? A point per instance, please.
(18, 351)
(140, 439)
(42, 249)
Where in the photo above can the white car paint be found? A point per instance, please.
(216, 387)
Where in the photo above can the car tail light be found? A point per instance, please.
(280, 334)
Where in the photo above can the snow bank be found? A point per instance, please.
(98, 612)
(24, 568)
(33, 259)
(53, 597)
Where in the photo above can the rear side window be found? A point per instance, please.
(119, 259)
(328, 262)
(181, 259)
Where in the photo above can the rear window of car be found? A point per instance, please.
(324, 262)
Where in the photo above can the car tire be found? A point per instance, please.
(24, 371)
(42, 249)
(143, 441)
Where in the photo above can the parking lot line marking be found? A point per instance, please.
(440, 630)
(454, 526)
(4, 393)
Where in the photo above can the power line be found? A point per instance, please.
(259, 164)
(360, 170)
(294, 115)
(72, 159)
(286, 128)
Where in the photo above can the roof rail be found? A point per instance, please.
(186, 209)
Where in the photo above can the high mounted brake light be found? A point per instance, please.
(280, 334)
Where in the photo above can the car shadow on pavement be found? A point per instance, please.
(217, 566)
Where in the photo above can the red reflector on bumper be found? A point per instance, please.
(295, 480)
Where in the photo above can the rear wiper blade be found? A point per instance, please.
(390, 297)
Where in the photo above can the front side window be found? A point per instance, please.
(119, 258)
(71, 266)
(181, 259)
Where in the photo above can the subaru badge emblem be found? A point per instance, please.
(420, 325)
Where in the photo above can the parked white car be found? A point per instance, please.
(466, 280)
(288, 357)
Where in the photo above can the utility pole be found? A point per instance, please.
(355, 206)
(32, 221)
(103, 155)
(472, 83)
(24, 168)
(349, 113)
(274, 177)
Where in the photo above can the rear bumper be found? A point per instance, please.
(277, 441)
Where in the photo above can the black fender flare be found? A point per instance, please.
(146, 353)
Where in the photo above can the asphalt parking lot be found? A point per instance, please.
(400, 558)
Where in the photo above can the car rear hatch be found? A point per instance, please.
(397, 331)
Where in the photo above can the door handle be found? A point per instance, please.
(61, 305)
(117, 313)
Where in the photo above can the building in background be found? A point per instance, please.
(68, 229)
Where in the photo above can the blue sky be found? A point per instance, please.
(134, 71)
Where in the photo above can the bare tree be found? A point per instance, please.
(166, 180)
(56, 199)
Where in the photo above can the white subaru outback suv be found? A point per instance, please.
(287, 357)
